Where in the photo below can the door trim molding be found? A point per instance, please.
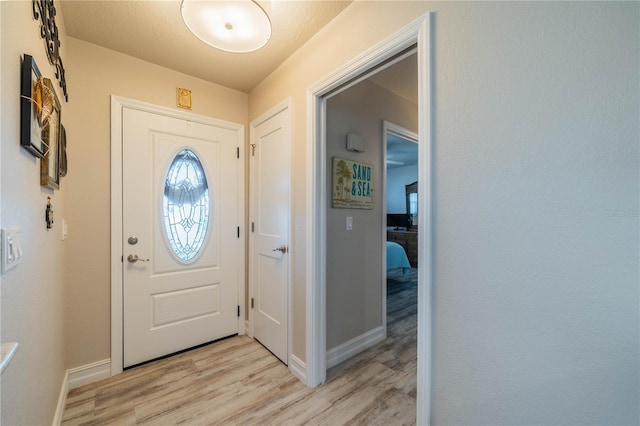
(285, 105)
(418, 32)
(117, 105)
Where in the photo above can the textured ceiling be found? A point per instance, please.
(401, 152)
(401, 78)
(154, 31)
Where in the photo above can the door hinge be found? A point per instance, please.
(253, 229)
(238, 232)
(253, 149)
(237, 152)
(252, 303)
(238, 311)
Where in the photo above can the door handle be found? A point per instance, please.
(282, 249)
(133, 258)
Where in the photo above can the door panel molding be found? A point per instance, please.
(285, 105)
(117, 105)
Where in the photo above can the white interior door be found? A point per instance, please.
(181, 246)
(270, 215)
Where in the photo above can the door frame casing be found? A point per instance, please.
(117, 265)
(417, 33)
(285, 105)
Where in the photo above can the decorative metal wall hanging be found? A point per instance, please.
(48, 214)
(63, 151)
(50, 163)
(45, 11)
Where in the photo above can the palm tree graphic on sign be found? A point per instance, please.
(344, 175)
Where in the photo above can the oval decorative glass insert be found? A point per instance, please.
(186, 205)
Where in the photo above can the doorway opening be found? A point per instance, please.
(401, 224)
(360, 68)
(357, 239)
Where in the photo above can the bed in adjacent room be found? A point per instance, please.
(397, 258)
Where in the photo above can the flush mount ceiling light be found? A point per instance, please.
(237, 26)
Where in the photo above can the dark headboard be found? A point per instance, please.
(398, 220)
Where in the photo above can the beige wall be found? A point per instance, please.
(535, 195)
(536, 185)
(95, 74)
(354, 258)
(33, 294)
(56, 304)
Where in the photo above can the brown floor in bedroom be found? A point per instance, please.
(237, 381)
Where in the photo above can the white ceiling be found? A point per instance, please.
(153, 30)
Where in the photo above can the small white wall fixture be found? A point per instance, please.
(355, 142)
(416, 33)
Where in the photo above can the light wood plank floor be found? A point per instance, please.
(238, 382)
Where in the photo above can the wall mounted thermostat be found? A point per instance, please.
(355, 142)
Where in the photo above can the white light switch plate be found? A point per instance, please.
(349, 223)
(11, 248)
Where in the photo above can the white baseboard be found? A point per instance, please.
(62, 400)
(89, 373)
(356, 345)
(76, 377)
(298, 368)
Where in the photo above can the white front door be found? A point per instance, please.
(270, 215)
(181, 245)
